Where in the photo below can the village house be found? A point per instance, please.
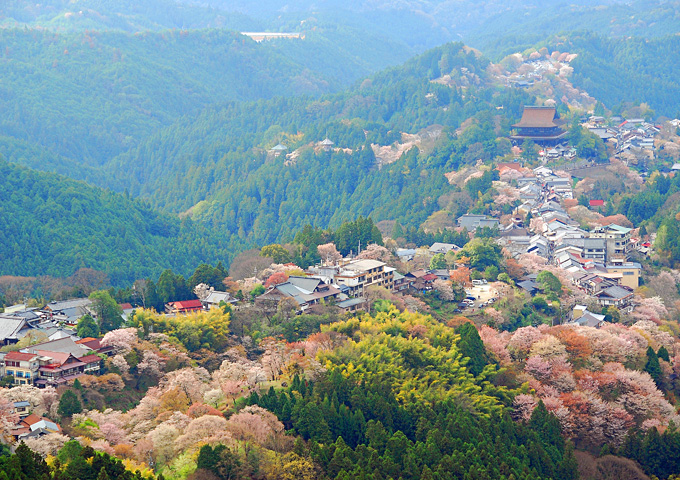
(581, 316)
(214, 299)
(68, 311)
(22, 408)
(421, 280)
(183, 307)
(326, 145)
(616, 296)
(443, 248)
(406, 254)
(10, 329)
(34, 426)
(354, 276)
(473, 222)
(305, 291)
(22, 366)
(278, 150)
(400, 283)
(595, 248)
(59, 368)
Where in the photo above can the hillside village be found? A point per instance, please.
(566, 263)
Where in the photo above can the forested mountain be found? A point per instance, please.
(51, 225)
(428, 23)
(223, 173)
(628, 69)
(78, 100)
(533, 22)
(125, 15)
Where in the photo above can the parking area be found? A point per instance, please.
(482, 294)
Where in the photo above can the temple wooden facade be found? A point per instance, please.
(540, 125)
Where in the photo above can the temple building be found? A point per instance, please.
(540, 125)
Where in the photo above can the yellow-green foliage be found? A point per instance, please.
(195, 331)
(417, 355)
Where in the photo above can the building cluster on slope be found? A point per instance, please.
(631, 139)
(597, 261)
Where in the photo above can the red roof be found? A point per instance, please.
(646, 244)
(90, 359)
(125, 306)
(21, 357)
(430, 276)
(596, 203)
(187, 305)
(31, 419)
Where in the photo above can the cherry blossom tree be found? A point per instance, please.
(202, 291)
(122, 340)
(152, 364)
(8, 417)
(329, 253)
(205, 429)
(522, 341)
(444, 290)
(119, 362)
(523, 406)
(496, 342)
(48, 444)
(376, 252)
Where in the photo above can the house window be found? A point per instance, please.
(10, 372)
(629, 273)
(20, 374)
(28, 374)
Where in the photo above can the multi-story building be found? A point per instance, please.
(595, 249)
(617, 242)
(354, 276)
(358, 275)
(22, 366)
(630, 273)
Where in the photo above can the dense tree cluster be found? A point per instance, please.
(50, 225)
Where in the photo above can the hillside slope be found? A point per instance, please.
(80, 99)
(222, 173)
(51, 225)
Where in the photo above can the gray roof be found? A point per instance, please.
(528, 285)
(217, 297)
(10, 327)
(594, 243)
(306, 284)
(438, 247)
(62, 345)
(68, 304)
(589, 319)
(350, 302)
(473, 221)
(616, 292)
